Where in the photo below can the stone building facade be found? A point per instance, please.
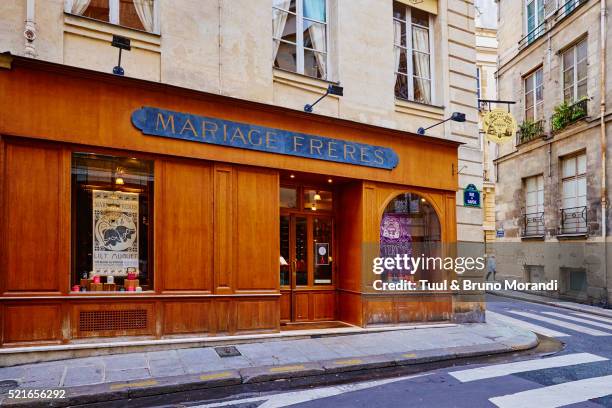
(549, 194)
(226, 47)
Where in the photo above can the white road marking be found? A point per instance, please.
(296, 397)
(526, 325)
(594, 317)
(557, 395)
(580, 320)
(500, 370)
(561, 323)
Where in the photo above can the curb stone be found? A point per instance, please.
(558, 303)
(109, 392)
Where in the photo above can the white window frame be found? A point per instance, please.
(575, 178)
(574, 50)
(299, 38)
(536, 112)
(409, 50)
(536, 209)
(113, 15)
(537, 21)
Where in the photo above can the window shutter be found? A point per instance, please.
(550, 7)
(430, 6)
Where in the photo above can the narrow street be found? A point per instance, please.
(578, 376)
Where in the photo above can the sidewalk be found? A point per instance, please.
(114, 377)
(545, 300)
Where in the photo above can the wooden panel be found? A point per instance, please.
(323, 305)
(438, 308)
(186, 317)
(224, 213)
(285, 306)
(409, 309)
(32, 323)
(35, 225)
(257, 230)
(112, 319)
(349, 233)
(185, 227)
(350, 308)
(224, 318)
(301, 306)
(379, 311)
(257, 315)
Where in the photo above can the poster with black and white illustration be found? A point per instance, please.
(115, 232)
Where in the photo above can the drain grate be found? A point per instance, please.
(227, 351)
(7, 385)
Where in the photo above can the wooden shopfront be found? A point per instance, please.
(139, 210)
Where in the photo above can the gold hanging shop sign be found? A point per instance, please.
(499, 125)
(430, 6)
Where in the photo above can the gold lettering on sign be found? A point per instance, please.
(271, 140)
(313, 147)
(379, 156)
(212, 129)
(250, 137)
(347, 153)
(160, 118)
(238, 135)
(331, 151)
(189, 126)
(297, 144)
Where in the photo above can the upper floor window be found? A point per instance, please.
(137, 14)
(575, 72)
(413, 50)
(534, 96)
(300, 36)
(534, 15)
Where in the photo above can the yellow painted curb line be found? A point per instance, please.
(135, 384)
(348, 362)
(286, 368)
(215, 376)
(410, 355)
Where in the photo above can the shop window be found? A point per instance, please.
(317, 200)
(413, 50)
(300, 36)
(288, 197)
(137, 14)
(112, 209)
(409, 226)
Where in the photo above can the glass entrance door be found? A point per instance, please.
(306, 261)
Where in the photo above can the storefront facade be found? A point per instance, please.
(139, 210)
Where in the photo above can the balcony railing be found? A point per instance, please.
(574, 220)
(566, 114)
(554, 10)
(529, 131)
(532, 35)
(567, 7)
(533, 225)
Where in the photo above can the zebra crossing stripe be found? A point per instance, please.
(580, 320)
(500, 370)
(595, 317)
(557, 395)
(561, 323)
(526, 325)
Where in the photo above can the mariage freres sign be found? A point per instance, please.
(185, 126)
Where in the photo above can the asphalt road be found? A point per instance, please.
(578, 376)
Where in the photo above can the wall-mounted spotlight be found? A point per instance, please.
(331, 90)
(455, 117)
(122, 43)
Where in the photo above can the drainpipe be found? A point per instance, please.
(29, 31)
(604, 144)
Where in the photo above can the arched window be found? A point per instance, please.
(409, 226)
